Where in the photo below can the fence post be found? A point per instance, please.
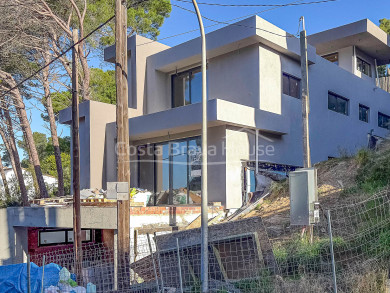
(154, 265)
(28, 274)
(43, 271)
(179, 265)
(159, 263)
(332, 252)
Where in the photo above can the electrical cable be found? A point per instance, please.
(257, 5)
(66, 51)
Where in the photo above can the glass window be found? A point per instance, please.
(334, 58)
(337, 103)
(85, 236)
(161, 169)
(195, 169)
(55, 237)
(291, 86)
(363, 113)
(146, 167)
(187, 87)
(363, 66)
(52, 237)
(177, 172)
(383, 120)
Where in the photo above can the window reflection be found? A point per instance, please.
(172, 171)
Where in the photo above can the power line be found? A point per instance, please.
(212, 25)
(236, 24)
(228, 21)
(66, 51)
(257, 5)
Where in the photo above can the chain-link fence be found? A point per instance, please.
(242, 258)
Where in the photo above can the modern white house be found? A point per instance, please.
(253, 87)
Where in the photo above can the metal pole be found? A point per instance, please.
(332, 252)
(159, 263)
(179, 265)
(28, 274)
(204, 207)
(257, 151)
(154, 265)
(376, 73)
(43, 272)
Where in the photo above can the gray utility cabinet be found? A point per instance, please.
(304, 207)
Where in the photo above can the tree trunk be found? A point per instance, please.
(25, 124)
(4, 178)
(86, 71)
(34, 177)
(53, 128)
(9, 151)
(15, 154)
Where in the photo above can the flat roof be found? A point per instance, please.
(364, 34)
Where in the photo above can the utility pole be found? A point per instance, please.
(122, 128)
(305, 104)
(305, 97)
(76, 160)
(204, 200)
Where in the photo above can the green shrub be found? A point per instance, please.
(279, 188)
(362, 157)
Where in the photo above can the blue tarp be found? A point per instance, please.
(13, 278)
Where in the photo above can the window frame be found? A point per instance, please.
(183, 73)
(290, 76)
(67, 242)
(331, 54)
(386, 116)
(368, 113)
(363, 62)
(170, 164)
(338, 97)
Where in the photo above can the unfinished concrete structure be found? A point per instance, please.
(253, 87)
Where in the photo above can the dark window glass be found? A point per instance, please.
(383, 120)
(187, 87)
(363, 66)
(334, 58)
(291, 86)
(363, 113)
(337, 103)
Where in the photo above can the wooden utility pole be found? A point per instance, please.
(76, 161)
(122, 128)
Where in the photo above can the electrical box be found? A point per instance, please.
(118, 190)
(304, 206)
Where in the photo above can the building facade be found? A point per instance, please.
(254, 108)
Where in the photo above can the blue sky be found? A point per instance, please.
(318, 17)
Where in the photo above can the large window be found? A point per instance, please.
(337, 103)
(291, 86)
(187, 87)
(174, 175)
(334, 58)
(364, 112)
(383, 120)
(57, 237)
(363, 66)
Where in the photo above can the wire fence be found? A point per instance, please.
(242, 258)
